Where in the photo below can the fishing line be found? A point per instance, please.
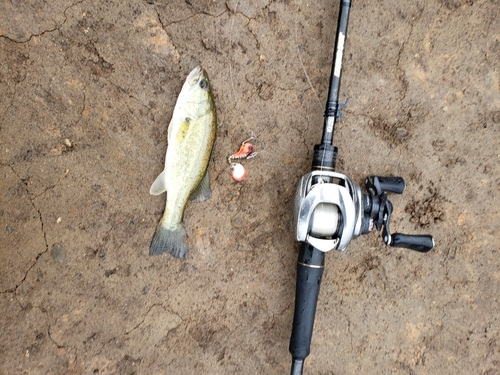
(302, 64)
(231, 67)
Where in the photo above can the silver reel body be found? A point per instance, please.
(327, 210)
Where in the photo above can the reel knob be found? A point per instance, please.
(418, 242)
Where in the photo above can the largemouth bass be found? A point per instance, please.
(191, 135)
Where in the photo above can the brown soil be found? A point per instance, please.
(87, 91)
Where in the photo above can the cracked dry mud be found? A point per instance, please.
(87, 91)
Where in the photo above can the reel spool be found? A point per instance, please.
(325, 221)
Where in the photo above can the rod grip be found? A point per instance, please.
(309, 272)
(418, 242)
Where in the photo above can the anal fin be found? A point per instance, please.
(202, 191)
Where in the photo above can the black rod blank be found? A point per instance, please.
(332, 112)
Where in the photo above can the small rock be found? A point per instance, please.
(189, 268)
(108, 273)
(496, 117)
(29, 155)
(58, 253)
(237, 222)
(402, 133)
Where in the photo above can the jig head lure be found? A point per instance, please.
(238, 172)
(246, 151)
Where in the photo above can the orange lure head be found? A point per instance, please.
(245, 151)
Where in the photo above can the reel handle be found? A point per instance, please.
(418, 242)
(378, 184)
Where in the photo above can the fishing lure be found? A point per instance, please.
(238, 172)
(246, 151)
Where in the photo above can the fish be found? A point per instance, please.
(191, 136)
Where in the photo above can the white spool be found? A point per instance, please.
(325, 220)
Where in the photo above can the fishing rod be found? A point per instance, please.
(330, 209)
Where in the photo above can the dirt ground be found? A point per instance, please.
(87, 91)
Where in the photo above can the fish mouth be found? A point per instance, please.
(195, 75)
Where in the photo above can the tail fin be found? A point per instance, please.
(170, 240)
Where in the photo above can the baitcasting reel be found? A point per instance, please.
(330, 210)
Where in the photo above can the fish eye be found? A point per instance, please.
(203, 84)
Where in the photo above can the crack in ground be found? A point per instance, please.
(102, 61)
(147, 313)
(164, 25)
(234, 11)
(144, 317)
(257, 43)
(40, 216)
(52, 339)
(43, 192)
(56, 28)
(202, 13)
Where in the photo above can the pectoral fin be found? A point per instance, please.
(160, 184)
(202, 191)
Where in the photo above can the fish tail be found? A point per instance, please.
(169, 239)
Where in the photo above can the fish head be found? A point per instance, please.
(197, 91)
(197, 80)
(195, 75)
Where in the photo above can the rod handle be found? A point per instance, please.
(309, 272)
